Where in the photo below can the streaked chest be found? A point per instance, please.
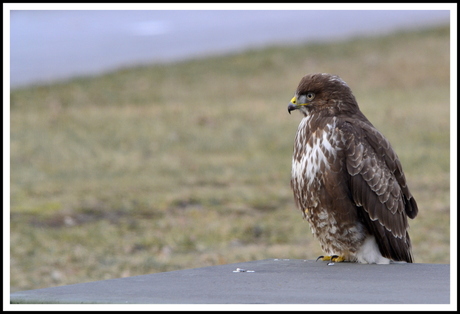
(315, 151)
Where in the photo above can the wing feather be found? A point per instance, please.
(378, 186)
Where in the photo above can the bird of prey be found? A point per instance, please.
(346, 178)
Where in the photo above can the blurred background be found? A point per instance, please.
(151, 141)
(50, 45)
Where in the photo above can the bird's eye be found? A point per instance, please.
(310, 96)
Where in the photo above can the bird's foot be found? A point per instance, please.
(332, 258)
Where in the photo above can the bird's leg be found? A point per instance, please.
(332, 258)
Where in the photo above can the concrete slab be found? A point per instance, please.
(273, 281)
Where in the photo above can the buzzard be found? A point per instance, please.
(346, 178)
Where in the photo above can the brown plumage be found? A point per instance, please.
(346, 178)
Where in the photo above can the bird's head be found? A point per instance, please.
(323, 92)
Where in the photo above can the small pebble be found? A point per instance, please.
(241, 270)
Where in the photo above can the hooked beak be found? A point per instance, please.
(292, 105)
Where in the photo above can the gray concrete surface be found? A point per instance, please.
(273, 281)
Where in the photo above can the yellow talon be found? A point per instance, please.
(337, 259)
(333, 258)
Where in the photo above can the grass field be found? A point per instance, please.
(185, 165)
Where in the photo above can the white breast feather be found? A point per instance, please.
(314, 155)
